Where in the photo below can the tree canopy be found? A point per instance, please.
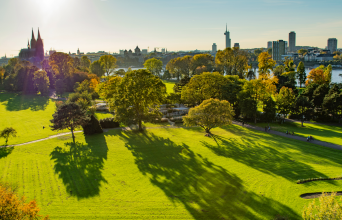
(154, 66)
(109, 63)
(7, 133)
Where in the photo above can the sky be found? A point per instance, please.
(111, 25)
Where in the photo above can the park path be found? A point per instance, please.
(322, 143)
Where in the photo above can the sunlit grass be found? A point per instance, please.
(169, 86)
(171, 174)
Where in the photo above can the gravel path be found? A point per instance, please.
(322, 143)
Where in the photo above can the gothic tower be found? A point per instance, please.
(39, 48)
(33, 41)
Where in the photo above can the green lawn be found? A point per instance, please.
(170, 174)
(169, 85)
(327, 133)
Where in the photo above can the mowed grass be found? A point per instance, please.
(327, 133)
(170, 174)
(169, 85)
(27, 114)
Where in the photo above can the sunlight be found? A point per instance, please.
(49, 6)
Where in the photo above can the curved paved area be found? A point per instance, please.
(322, 143)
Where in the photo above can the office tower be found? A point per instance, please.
(269, 44)
(227, 38)
(332, 45)
(278, 49)
(237, 45)
(214, 48)
(292, 41)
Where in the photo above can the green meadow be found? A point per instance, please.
(167, 173)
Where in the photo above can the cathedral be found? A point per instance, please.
(34, 51)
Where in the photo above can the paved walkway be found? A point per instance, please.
(322, 143)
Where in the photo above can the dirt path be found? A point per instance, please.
(322, 143)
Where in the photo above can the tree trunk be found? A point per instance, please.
(302, 123)
(73, 136)
(139, 122)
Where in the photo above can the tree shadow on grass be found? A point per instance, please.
(5, 151)
(80, 166)
(17, 102)
(252, 152)
(206, 190)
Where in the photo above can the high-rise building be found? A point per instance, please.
(237, 45)
(332, 44)
(269, 44)
(278, 49)
(163, 50)
(227, 38)
(144, 51)
(292, 41)
(214, 48)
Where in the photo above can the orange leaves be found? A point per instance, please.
(320, 75)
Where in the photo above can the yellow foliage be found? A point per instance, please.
(13, 207)
(328, 208)
(320, 75)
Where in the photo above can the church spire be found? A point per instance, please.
(32, 35)
(28, 44)
(38, 34)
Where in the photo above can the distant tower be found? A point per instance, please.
(269, 44)
(237, 45)
(332, 45)
(214, 48)
(292, 41)
(278, 49)
(28, 44)
(227, 37)
(33, 41)
(39, 53)
(78, 51)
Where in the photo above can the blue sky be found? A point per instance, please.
(110, 25)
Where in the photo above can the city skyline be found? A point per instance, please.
(108, 25)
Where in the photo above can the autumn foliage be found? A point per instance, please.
(16, 208)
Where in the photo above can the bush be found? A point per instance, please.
(92, 127)
(109, 123)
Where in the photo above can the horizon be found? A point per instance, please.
(109, 25)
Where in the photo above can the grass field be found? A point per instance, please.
(169, 85)
(170, 174)
(327, 133)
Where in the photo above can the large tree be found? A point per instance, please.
(202, 61)
(7, 133)
(301, 74)
(285, 101)
(209, 114)
(137, 96)
(180, 67)
(61, 64)
(85, 62)
(303, 107)
(320, 75)
(41, 82)
(109, 63)
(154, 65)
(97, 68)
(69, 116)
(266, 64)
(233, 61)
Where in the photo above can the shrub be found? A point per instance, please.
(92, 127)
(109, 123)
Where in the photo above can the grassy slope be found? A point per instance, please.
(327, 133)
(170, 174)
(169, 85)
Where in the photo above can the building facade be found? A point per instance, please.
(269, 44)
(292, 41)
(332, 45)
(228, 44)
(34, 51)
(237, 45)
(278, 49)
(214, 48)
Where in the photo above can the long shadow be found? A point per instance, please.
(207, 191)
(254, 153)
(5, 151)
(80, 166)
(17, 102)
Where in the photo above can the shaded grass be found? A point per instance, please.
(171, 174)
(327, 133)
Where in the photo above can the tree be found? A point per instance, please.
(180, 67)
(201, 60)
(302, 51)
(266, 63)
(41, 82)
(97, 68)
(2, 75)
(270, 109)
(209, 114)
(177, 88)
(109, 63)
(154, 66)
(85, 62)
(69, 116)
(328, 208)
(108, 88)
(166, 75)
(137, 97)
(303, 107)
(61, 64)
(12, 207)
(301, 74)
(7, 133)
(233, 61)
(320, 75)
(285, 101)
(120, 72)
